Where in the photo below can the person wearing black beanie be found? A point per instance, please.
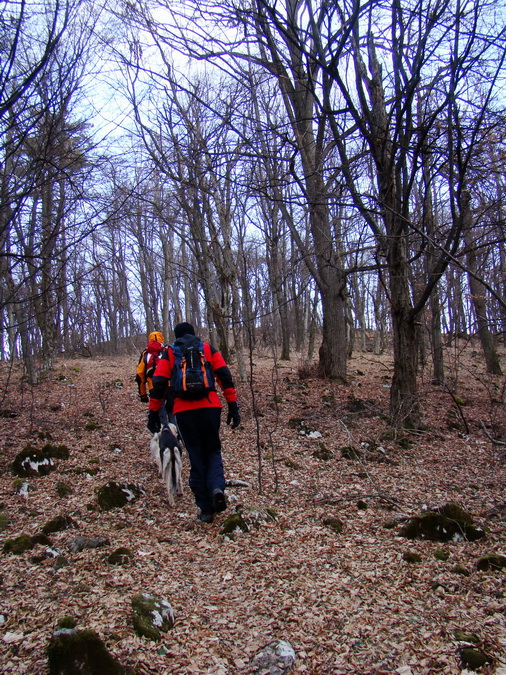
(197, 408)
(183, 328)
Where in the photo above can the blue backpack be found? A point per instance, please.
(192, 376)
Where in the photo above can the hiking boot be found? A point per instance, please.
(219, 501)
(205, 517)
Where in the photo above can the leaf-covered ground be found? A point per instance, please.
(347, 603)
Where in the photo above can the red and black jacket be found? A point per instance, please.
(163, 372)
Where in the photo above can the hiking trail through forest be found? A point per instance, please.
(360, 600)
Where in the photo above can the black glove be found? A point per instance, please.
(144, 399)
(234, 415)
(153, 421)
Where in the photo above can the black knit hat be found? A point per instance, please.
(184, 328)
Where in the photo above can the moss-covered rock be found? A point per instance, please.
(55, 451)
(234, 524)
(441, 554)
(491, 561)
(455, 512)
(18, 545)
(334, 523)
(121, 556)
(116, 495)
(67, 622)
(59, 524)
(411, 557)
(246, 518)
(449, 523)
(63, 489)
(73, 651)
(86, 471)
(465, 636)
(461, 569)
(473, 658)
(24, 542)
(32, 462)
(152, 616)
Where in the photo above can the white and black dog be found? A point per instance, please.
(167, 451)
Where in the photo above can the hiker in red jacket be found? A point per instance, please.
(190, 365)
(147, 364)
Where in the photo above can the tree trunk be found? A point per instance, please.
(478, 298)
(404, 403)
(332, 355)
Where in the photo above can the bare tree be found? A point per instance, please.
(379, 60)
(294, 72)
(44, 168)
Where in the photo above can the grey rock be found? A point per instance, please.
(277, 658)
(80, 543)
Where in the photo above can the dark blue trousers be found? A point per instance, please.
(200, 431)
